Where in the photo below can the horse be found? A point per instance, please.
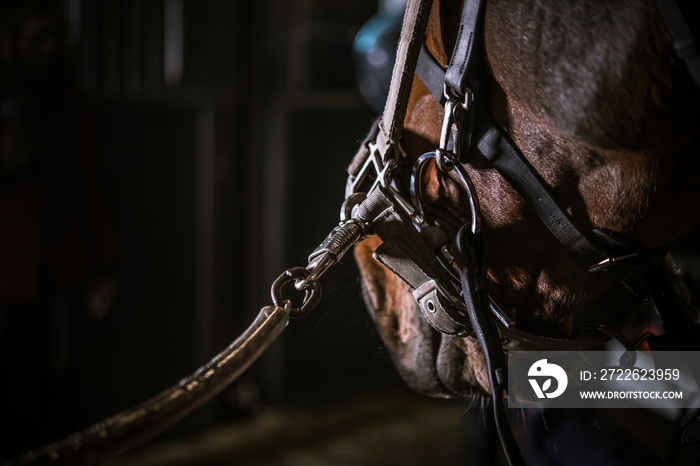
(599, 104)
(596, 99)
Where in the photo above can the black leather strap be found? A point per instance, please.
(500, 150)
(463, 66)
(431, 74)
(472, 269)
(591, 247)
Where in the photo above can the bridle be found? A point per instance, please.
(445, 265)
(449, 273)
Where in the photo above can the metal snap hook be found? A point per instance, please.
(312, 292)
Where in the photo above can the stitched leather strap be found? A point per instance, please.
(463, 63)
(412, 36)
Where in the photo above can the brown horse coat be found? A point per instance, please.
(594, 96)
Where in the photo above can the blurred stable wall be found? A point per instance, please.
(223, 129)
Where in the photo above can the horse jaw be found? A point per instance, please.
(430, 363)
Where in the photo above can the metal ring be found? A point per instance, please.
(417, 192)
(444, 160)
(312, 293)
(349, 204)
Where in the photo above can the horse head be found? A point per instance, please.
(596, 99)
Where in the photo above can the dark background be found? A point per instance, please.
(216, 134)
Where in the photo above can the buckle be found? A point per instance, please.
(457, 128)
(439, 308)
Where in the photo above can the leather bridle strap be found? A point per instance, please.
(463, 66)
(462, 80)
(504, 155)
(379, 153)
(471, 260)
(595, 248)
(431, 74)
(412, 36)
